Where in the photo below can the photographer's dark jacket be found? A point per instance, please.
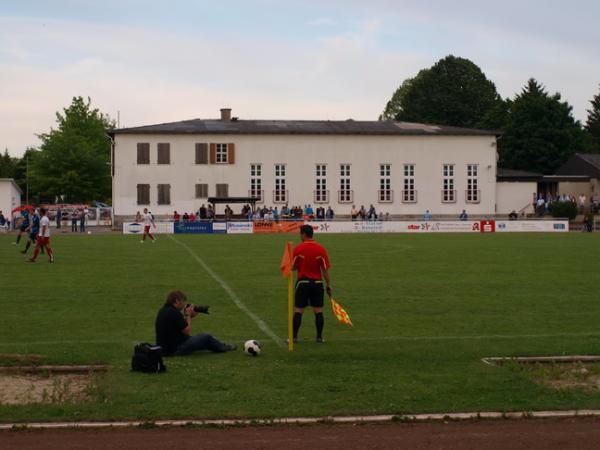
(169, 325)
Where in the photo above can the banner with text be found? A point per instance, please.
(138, 228)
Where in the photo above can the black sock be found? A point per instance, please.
(27, 246)
(297, 323)
(18, 238)
(320, 322)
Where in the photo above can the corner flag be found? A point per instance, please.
(286, 261)
(286, 267)
(340, 313)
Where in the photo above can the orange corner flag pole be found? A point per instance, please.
(286, 267)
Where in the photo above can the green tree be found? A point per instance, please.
(593, 123)
(540, 133)
(394, 106)
(454, 91)
(7, 165)
(73, 160)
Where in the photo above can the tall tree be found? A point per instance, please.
(73, 159)
(540, 133)
(593, 123)
(454, 91)
(394, 107)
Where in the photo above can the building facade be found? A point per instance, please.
(10, 196)
(400, 168)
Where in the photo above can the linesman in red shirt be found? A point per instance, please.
(312, 265)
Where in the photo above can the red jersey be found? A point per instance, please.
(309, 257)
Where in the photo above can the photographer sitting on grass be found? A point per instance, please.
(173, 326)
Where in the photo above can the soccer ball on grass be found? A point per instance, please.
(252, 348)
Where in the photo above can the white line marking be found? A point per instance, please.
(451, 338)
(493, 415)
(238, 302)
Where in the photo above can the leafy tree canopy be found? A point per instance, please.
(540, 133)
(593, 123)
(73, 160)
(454, 91)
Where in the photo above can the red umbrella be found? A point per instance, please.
(21, 208)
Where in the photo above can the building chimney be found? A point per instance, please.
(226, 114)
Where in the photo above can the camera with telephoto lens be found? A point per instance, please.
(198, 309)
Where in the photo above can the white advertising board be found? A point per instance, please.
(365, 226)
(239, 227)
(547, 226)
(138, 228)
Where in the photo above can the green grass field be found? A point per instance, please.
(426, 308)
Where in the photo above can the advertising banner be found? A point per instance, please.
(138, 228)
(239, 227)
(193, 227)
(277, 227)
(219, 227)
(545, 226)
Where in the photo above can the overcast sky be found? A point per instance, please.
(157, 61)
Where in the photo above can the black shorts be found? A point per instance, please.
(23, 227)
(309, 293)
(33, 236)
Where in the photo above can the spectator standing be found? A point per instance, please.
(354, 212)
(427, 216)
(463, 215)
(176, 217)
(329, 214)
(58, 218)
(363, 212)
(82, 217)
(202, 212)
(185, 217)
(74, 216)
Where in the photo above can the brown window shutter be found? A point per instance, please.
(231, 153)
(143, 194)
(164, 153)
(143, 153)
(213, 153)
(202, 153)
(222, 190)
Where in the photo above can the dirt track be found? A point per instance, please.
(489, 435)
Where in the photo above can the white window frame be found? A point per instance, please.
(221, 154)
(345, 192)
(448, 191)
(385, 183)
(409, 194)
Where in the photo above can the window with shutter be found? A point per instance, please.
(222, 190)
(143, 194)
(164, 153)
(202, 191)
(201, 153)
(143, 153)
(164, 194)
(213, 153)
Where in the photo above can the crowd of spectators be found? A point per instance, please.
(542, 203)
(368, 214)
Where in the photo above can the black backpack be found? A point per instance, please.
(147, 358)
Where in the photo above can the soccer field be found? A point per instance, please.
(425, 309)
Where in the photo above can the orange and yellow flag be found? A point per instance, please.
(340, 313)
(287, 260)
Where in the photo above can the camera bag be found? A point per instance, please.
(147, 358)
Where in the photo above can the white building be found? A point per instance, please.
(400, 168)
(10, 196)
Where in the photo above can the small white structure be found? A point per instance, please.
(10, 196)
(401, 168)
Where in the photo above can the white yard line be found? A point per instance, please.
(234, 297)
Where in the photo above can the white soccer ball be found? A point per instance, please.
(252, 348)
(89, 232)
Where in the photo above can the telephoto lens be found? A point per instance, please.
(201, 309)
